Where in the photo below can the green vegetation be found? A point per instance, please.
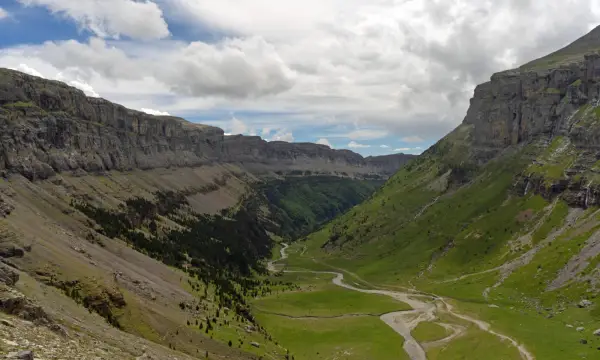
(299, 205)
(547, 338)
(20, 105)
(353, 338)
(429, 331)
(225, 251)
(328, 300)
(553, 221)
(475, 345)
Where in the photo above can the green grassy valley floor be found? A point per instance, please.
(318, 320)
(554, 334)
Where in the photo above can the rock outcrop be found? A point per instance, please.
(48, 127)
(540, 98)
(553, 100)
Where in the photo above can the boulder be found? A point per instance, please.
(597, 332)
(16, 304)
(8, 276)
(22, 355)
(580, 329)
(585, 303)
(9, 250)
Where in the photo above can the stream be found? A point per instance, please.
(403, 322)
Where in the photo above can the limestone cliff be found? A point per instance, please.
(48, 127)
(552, 106)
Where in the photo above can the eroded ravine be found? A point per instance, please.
(403, 322)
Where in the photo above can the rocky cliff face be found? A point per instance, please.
(552, 104)
(48, 127)
(541, 98)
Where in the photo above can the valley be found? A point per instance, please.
(126, 235)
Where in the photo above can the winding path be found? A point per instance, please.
(403, 322)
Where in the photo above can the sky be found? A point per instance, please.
(373, 76)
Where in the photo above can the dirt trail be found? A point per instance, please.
(403, 322)
(456, 331)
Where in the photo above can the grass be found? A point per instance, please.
(329, 300)
(475, 345)
(347, 338)
(429, 331)
(21, 104)
(548, 339)
(553, 221)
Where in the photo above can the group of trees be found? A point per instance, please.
(224, 249)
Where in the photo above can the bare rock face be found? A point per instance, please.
(48, 127)
(8, 276)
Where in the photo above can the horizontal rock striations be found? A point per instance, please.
(48, 127)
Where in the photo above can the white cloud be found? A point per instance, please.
(393, 67)
(155, 112)
(412, 139)
(355, 145)
(238, 127)
(3, 14)
(402, 149)
(283, 135)
(384, 146)
(365, 134)
(265, 132)
(78, 83)
(324, 141)
(28, 70)
(111, 18)
(85, 87)
(234, 68)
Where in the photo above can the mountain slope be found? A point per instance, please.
(502, 211)
(137, 231)
(48, 127)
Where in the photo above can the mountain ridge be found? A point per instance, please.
(501, 215)
(60, 129)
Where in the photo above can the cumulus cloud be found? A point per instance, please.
(234, 68)
(355, 145)
(365, 134)
(238, 127)
(3, 14)
(155, 112)
(283, 135)
(28, 70)
(85, 87)
(384, 146)
(402, 149)
(412, 139)
(111, 18)
(377, 68)
(324, 141)
(265, 132)
(78, 83)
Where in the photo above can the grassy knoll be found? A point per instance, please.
(429, 331)
(350, 338)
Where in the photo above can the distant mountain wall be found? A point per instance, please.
(48, 127)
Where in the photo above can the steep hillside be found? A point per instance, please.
(502, 211)
(299, 205)
(48, 127)
(137, 234)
